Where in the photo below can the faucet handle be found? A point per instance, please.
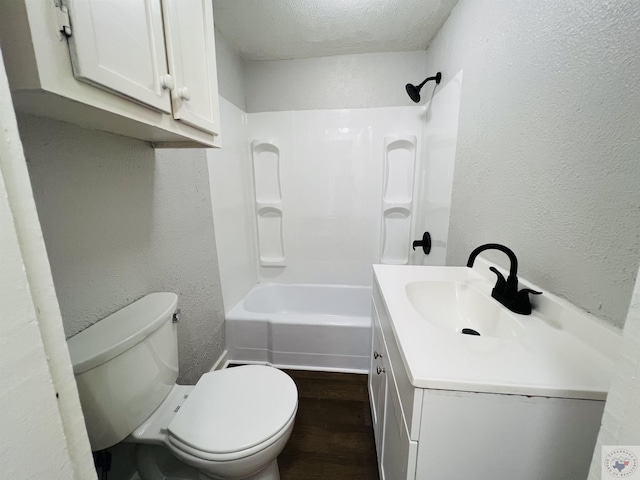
(521, 303)
(528, 290)
(501, 283)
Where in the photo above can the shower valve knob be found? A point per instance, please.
(425, 243)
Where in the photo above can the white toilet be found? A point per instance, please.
(231, 425)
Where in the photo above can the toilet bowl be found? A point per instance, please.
(231, 425)
(261, 464)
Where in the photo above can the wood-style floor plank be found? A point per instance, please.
(332, 438)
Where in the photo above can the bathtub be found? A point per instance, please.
(310, 327)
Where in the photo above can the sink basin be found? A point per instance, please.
(455, 306)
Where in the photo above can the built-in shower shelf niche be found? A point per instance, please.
(270, 244)
(266, 171)
(268, 195)
(397, 198)
(399, 163)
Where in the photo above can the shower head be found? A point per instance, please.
(414, 91)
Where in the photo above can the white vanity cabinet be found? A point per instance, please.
(440, 434)
(396, 449)
(140, 68)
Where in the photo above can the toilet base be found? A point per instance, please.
(272, 472)
(155, 462)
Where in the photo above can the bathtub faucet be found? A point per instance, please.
(506, 291)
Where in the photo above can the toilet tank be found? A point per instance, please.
(125, 365)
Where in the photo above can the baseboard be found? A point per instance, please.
(322, 362)
(309, 368)
(312, 368)
(222, 362)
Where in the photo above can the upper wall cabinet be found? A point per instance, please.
(191, 54)
(121, 48)
(141, 68)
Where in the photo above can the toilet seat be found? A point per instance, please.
(233, 413)
(187, 451)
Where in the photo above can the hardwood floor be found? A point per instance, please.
(332, 438)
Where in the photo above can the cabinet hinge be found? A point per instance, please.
(64, 23)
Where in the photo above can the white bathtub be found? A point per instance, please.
(310, 327)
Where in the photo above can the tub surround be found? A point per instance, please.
(563, 352)
(331, 159)
(331, 172)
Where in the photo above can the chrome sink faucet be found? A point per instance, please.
(506, 291)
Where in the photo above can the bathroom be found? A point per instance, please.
(545, 162)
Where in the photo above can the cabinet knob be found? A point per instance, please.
(184, 94)
(376, 354)
(167, 82)
(379, 370)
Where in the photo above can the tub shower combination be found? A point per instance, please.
(309, 327)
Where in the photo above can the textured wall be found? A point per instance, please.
(230, 74)
(548, 145)
(621, 418)
(121, 220)
(343, 81)
(28, 395)
(40, 407)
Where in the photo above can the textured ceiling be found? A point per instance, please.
(284, 29)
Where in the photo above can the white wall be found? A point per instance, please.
(435, 179)
(621, 418)
(341, 81)
(232, 204)
(121, 220)
(548, 146)
(230, 182)
(43, 434)
(231, 83)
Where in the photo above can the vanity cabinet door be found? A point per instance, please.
(119, 46)
(399, 452)
(377, 383)
(189, 33)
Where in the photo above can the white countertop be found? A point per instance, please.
(564, 352)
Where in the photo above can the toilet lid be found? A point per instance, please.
(235, 409)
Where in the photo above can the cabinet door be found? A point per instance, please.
(377, 383)
(399, 453)
(189, 35)
(119, 45)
